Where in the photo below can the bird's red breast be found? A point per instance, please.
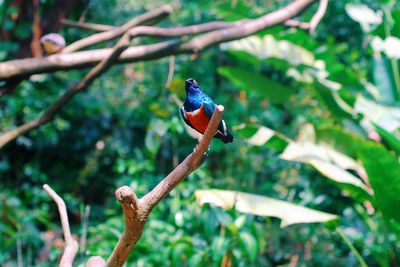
(198, 119)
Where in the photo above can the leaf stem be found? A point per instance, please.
(353, 249)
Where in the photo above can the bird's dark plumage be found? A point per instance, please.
(198, 109)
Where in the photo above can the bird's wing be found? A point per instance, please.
(209, 108)
(183, 114)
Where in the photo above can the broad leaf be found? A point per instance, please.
(383, 171)
(262, 206)
(385, 117)
(258, 135)
(253, 82)
(367, 17)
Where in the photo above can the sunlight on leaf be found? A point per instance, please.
(262, 206)
(367, 17)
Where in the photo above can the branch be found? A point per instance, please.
(137, 210)
(156, 14)
(48, 116)
(24, 67)
(312, 25)
(87, 26)
(71, 245)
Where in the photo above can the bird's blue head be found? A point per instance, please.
(192, 87)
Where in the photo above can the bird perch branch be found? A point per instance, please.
(71, 245)
(137, 210)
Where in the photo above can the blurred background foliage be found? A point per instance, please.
(316, 118)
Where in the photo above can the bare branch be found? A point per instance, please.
(71, 245)
(323, 5)
(116, 32)
(137, 210)
(47, 116)
(171, 70)
(24, 67)
(312, 25)
(87, 26)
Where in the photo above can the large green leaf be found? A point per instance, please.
(258, 135)
(384, 80)
(383, 170)
(389, 140)
(268, 47)
(330, 163)
(262, 206)
(385, 117)
(253, 82)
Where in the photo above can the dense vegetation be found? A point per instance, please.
(316, 118)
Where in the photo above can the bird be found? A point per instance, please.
(52, 43)
(198, 109)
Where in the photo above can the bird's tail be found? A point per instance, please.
(228, 138)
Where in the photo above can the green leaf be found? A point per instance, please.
(268, 47)
(253, 82)
(262, 206)
(331, 164)
(383, 171)
(383, 80)
(219, 247)
(248, 244)
(390, 140)
(385, 117)
(262, 136)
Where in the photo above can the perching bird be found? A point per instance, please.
(198, 109)
(52, 43)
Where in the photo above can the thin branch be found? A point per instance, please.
(137, 210)
(71, 245)
(85, 225)
(87, 26)
(156, 14)
(171, 70)
(24, 67)
(323, 5)
(48, 116)
(315, 20)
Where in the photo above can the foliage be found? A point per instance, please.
(303, 107)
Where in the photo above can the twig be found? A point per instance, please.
(116, 32)
(137, 210)
(71, 245)
(312, 25)
(99, 69)
(24, 67)
(171, 70)
(85, 224)
(87, 26)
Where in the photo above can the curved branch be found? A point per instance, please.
(24, 67)
(312, 25)
(137, 210)
(71, 245)
(156, 14)
(87, 26)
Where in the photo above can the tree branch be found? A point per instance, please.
(87, 26)
(99, 69)
(71, 245)
(24, 67)
(153, 15)
(312, 25)
(137, 210)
